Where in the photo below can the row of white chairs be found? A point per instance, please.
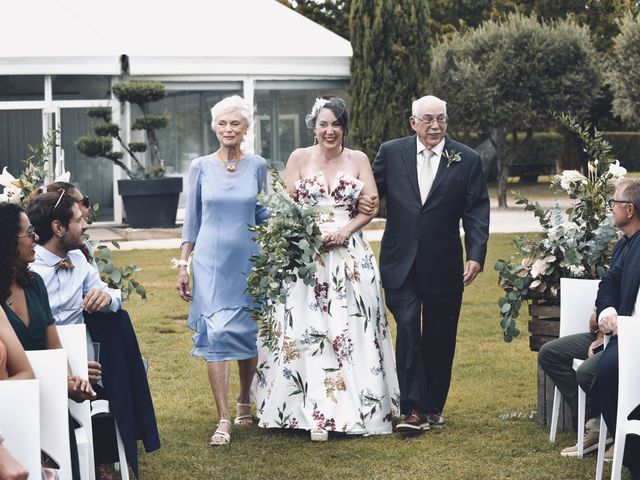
(34, 413)
(577, 298)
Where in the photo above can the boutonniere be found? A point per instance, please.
(452, 158)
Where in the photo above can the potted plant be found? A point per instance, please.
(576, 243)
(150, 199)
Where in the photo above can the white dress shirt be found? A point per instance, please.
(67, 287)
(435, 157)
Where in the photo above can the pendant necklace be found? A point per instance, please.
(231, 165)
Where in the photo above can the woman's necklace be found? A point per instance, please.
(231, 165)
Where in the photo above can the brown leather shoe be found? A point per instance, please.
(413, 422)
(435, 419)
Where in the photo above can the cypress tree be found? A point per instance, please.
(389, 68)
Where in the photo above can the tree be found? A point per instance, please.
(623, 74)
(331, 14)
(507, 76)
(389, 68)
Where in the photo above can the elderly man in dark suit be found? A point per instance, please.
(618, 295)
(431, 183)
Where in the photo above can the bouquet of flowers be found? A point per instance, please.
(289, 241)
(576, 244)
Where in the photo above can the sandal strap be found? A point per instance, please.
(238, 404)
(224, 420)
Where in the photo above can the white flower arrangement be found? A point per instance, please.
(452, 157)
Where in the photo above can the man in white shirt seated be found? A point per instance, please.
(73, 285)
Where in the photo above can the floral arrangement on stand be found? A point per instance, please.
(575, 244)
(289, 241)
(37, 174)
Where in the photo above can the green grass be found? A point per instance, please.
(490, 378)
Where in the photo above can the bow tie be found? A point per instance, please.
(64, 264)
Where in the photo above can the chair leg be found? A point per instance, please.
(618, 452)
(122, 457)
(602, 446)
(555, 412)
(582, 401)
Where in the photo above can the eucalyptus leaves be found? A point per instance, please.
(289, 242)
(576, 244)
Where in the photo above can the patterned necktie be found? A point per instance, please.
(64, 264)
(425, 179)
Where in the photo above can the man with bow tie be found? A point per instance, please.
(73, 285)
(431, 184)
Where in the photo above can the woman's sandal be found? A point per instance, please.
(220, 437)
(243, 420)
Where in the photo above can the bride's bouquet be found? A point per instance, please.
(289, 242)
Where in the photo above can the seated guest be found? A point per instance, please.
(26, 304)
(77, 294)
(618, 295)
(556, 359)
(14, 365)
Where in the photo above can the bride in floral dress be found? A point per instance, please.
(332, 368)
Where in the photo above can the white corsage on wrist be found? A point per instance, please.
(181, 263)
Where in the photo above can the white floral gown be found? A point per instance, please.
(332, 365)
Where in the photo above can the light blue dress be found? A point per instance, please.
(220, 206)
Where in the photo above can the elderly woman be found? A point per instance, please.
(221, 203)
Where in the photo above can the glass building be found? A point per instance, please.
(275, 58)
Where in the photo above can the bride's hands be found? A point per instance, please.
(337, 238)
(183, 284)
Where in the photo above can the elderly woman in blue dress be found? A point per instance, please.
(221, 203)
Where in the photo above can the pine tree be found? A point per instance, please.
(389, 68)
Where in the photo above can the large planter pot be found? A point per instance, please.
(544, 326)
(151, 203)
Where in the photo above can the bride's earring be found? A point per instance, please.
(315, 140)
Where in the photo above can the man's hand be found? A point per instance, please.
(95, 371)
(10, 469)
(367, 204)
(79, 389)
(95, 300)
(597, 343)
(471, 270)
(609, 323)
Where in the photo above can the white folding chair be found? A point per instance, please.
(50, 369)
(74, 341)
(99, 408)
(628, 394)
(577, 298)
(20, 422)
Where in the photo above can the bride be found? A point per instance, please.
(333, 368)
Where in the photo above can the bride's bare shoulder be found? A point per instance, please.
(356, 156)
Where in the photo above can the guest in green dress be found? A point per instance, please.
(24, 298)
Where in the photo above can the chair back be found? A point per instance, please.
(74, 341)
(577, 300)
(50, 369)
(629, 361)
(20, 422)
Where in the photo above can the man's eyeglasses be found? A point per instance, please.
(428, 119)
(85, 202)
(611, 202)
(31, 232)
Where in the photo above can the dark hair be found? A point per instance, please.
(339, 108)
(631, 192)
(41, 212)
(10, 265)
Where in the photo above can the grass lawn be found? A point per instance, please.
(490, 378)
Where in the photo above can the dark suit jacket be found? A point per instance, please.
(125, 381)
(429, 234)
(619, 287)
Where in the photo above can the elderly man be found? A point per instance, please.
(618, 295)
(431, 183)
(77, 295)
